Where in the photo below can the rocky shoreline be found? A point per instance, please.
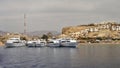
(95, 33)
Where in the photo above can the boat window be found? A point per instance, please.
(68, 41)
(16, 42)
(34, 42)
(51, 42)
(41, 42)
(63, 41)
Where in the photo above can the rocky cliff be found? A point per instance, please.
(71, 29)
(102, 29)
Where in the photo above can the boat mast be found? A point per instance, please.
(25, 26)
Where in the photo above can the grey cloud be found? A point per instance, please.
(57, 13)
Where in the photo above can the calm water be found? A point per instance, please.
(93, 56)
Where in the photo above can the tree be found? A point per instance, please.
(45, 37)
(23, 38)
(50, 35)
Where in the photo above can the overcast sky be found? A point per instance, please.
(55, 14)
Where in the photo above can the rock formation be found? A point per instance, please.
(103, 29)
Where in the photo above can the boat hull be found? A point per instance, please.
(68, 44)
(15, 45)
(53, 45)
(35, 45)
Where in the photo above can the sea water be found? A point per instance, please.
(87, 56)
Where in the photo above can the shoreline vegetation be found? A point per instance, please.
(95, 33)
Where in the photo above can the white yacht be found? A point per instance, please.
(68, 43)
(15, 42)
(36, 43)
(53, 43)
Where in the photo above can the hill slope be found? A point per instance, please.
(40, 33)
(103, 29)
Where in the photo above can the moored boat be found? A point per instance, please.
(53, 43)
(36, 43)
(15, 42)
(68, 43)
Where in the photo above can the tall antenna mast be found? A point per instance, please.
(25, 26)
